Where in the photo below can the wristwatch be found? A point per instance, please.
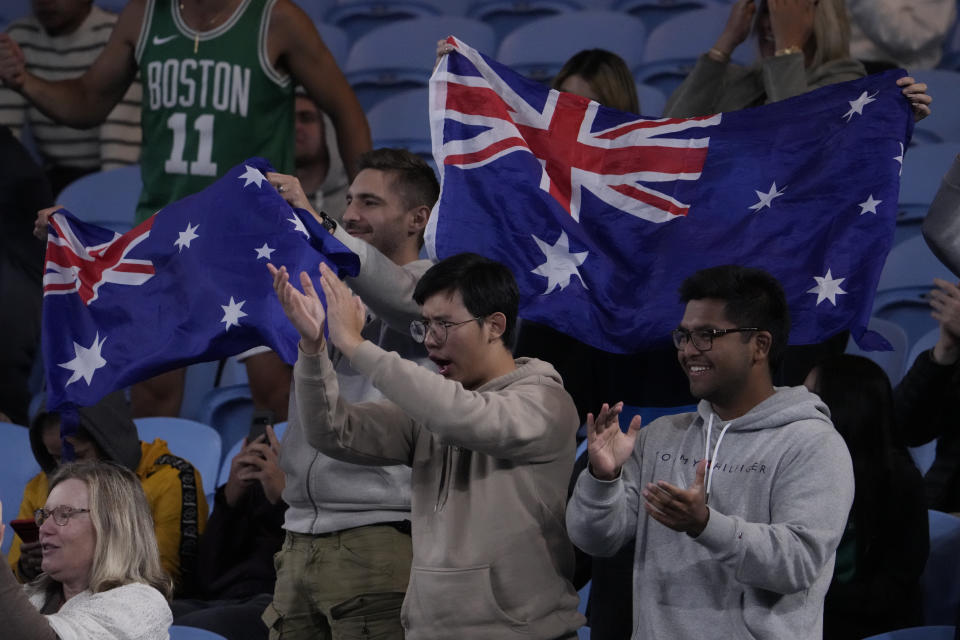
(328, 223)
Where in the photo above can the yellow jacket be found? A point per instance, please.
(175, 493)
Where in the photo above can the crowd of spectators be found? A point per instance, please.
(425, 485)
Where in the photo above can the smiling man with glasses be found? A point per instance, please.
(737, 509)
(490, 441)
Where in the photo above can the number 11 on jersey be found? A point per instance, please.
(203, 165)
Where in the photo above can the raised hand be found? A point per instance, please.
(346, 314)
(43, 219)
(291, 190)
(680, 509)
(791, 22)
(304, 310)
(945, 302)
(607, 446)
(916, 93)
(737, 28)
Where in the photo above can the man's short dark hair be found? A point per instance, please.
(416, 180)
(485, 285)
(753, 298)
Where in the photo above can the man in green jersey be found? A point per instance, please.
(218, 79)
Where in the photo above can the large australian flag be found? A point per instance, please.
(189, 284)
(602, 214)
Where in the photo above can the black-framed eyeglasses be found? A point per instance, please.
(61, 515)
(703, 338)
(420, 329)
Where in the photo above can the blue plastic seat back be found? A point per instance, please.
(506, 16)
(106, 198)
(917, 633)
(651, 100)
(193, 441)
(892, 362)
(336, 40)
(942, 124)
(17, 467)
(229, 411)
(655, 12)
(672, 48)
(178, 632)
(923, 169)
(941, 589)
(234, 449)
(359, 17)
(403, 121)
(401, 55)
(539, 49)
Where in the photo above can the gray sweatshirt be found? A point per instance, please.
(780, 489)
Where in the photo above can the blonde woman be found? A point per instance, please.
(803, 45)
(102, 578)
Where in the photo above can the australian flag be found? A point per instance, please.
(189, 284)
(602, 214)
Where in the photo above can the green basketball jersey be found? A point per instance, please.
(210, 101)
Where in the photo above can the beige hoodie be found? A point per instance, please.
(491, 557)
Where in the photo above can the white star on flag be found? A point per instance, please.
(856, 106)
(232, 314)
(298, 225)
(869, 205)
(86, 362)
(899, 159)
(561, 263)
(767, 198)
(828, 288)
(187, 236)
(264, 251)
(251, 175)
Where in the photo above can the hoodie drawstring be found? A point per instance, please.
(716, 449)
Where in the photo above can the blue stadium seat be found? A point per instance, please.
(539, 49)
(193, 441)
(583, 633)
(178, 632)
(506, 16)
(651, 100)
(403, 121)
(917, 633)
(316, 9)
(360, 17)
(655, 12)
(942, 125)
(234, 449)
(17, 467)
(941, 589)
(336, 40)
(923, 168)
(905, 282)
(892, 362)
(11, 10)
(114, 6)
(673, 47)
(229, 411)
(401, 55)
(106, 198)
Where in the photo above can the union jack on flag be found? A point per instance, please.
(602, 214)
(188, 284)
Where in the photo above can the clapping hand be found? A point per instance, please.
(304, 310)
(682, 510)
(607, 446)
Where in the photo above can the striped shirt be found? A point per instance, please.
(114, 143)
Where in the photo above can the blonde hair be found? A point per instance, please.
(125, 550)
(831, 32)
(607, 74)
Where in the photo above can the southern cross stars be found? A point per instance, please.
(187, 236)
(899, 159)
(251, 175)
(232, 313)
(828, 288)
(869, 205)
(298, 225)
(767, 198)
(561, 263)
(264, 251)
(86, 362)
(856, 106)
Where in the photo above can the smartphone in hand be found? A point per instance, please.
(258, 425)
